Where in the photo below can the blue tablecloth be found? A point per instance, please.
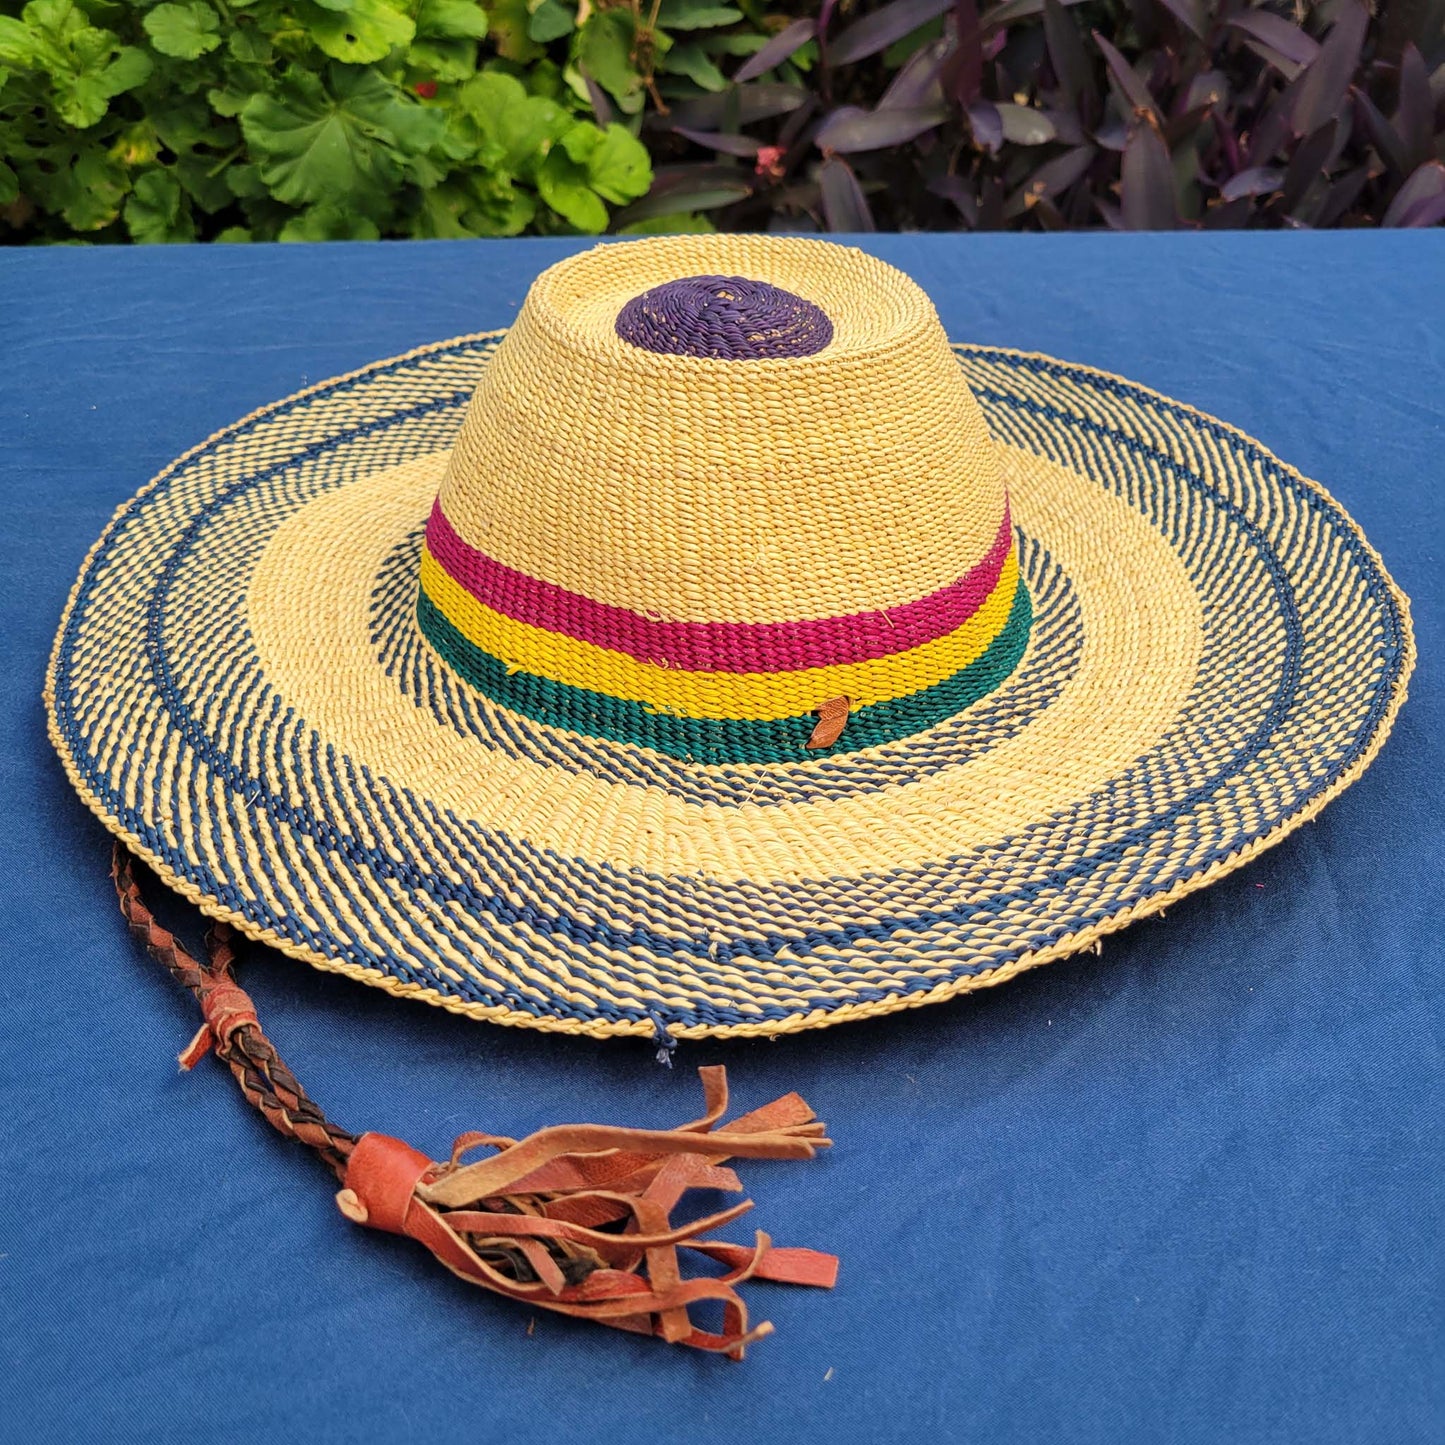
(1191, 1190)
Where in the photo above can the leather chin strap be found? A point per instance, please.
(575, 1219)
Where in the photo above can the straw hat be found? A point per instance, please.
(717, 652)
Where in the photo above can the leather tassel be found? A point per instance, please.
(577, 1218)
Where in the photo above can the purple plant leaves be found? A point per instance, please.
(1110, 214)
(1190, 14)
(880, 29)
(1023, 125)
(1112, 132)
(1344, 129)
(838, 119)
(1208, 88)
(1229, 215)
(1286, 68)
(990, 203)
(825, 20)
(986, 124)
(1421, 200)
(1428, 212)
(702, 187)
(1307, 165)
(1147, 200)
(1415, 115)
(1272, 129)
(1068, 129)
(1135, 93)
(797, 123)
(1276, 39)
(675, 179)
(1048, 215)
(1055, 177)
(739, 105)
(1324, 83)
(845, 207)
(1382, 134)
(1203, 98)
(1070, 60)
(957, 191)
(917, 83)
(1341, 196)
(965, 66)
(1011, 10)
(1181, 127)
(785, 43)
(1052, 179)
(1256, 181)
(850, 129)
(1228, 143)
(727, 143)
(601, 106)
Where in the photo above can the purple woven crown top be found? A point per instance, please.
(726, 318)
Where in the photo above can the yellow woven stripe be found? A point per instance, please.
(757, 696)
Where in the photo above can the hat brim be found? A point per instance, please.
(240, 691)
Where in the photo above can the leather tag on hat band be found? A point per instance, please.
(832, 719)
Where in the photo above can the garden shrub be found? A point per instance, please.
(294, 119)
(321, 119)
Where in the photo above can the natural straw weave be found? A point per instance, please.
(249, 689)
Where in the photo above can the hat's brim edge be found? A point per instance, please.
(1074, 943)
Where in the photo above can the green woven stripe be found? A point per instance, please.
(706, 740)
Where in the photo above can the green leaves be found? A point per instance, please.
(17, 44)
(452, 19)
(575, 166)
(250, 46)
(605, 48)
(590, 166)
(85, 66)
(343, 143)
(551, 20)
(695, 15)
(154, 210)
(338, 119)
(519, 128)
(693, 61)
(510, 21)
(185, 31)
(476, 205)
(454, 24)
(618, 168)
(83, 95)
(562, 183)
(82, 183)
(358, 33)
(329, 223)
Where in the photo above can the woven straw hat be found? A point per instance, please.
(717, 652)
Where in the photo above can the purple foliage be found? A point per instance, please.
(1140, 114)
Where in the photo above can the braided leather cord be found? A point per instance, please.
(231, 1026)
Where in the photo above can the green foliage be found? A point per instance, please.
(238, 120)
(241, 120)
(183, 31)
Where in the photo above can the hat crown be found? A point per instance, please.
(730, 456)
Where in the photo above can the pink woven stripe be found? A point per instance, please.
(758, 647)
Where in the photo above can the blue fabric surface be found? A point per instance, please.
(1191, 1190)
